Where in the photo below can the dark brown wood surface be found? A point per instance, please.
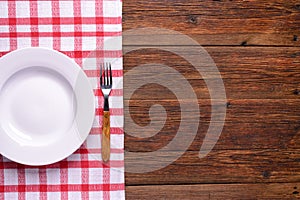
(216, 191)
(256, 47)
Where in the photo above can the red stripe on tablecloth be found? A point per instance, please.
(113, 130)
(84, 150)
(21, 184)
(99, 40)
(63, 180)
(66, 187)
(85, 54)
(113, 111)
(11, 22)
(43, 184)
(106, 183)
(95, 164)
(67, 0)
(1, 180)
(96, 73)
(98, 151)
(66, 165)
(77, 31)
(99, 54)
(34, 32)
(62, 21)
(56, 34)
(78, 59)
(84, 176)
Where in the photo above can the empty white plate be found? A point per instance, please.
(46, 106)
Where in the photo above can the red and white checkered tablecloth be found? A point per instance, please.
(88, 31)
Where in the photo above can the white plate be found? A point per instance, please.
(46, 106)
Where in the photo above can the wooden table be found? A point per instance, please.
(256, 47)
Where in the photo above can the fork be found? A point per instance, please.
(106, 85)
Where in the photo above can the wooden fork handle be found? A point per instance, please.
(106, 136)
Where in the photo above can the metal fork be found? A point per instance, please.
(106, 85)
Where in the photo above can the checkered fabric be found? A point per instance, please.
(89, 32)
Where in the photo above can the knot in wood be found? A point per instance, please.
(192, 19)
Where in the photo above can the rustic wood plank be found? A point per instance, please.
(247, 73)
(215, 191)
(234, 136)
(220, 166)
(269, 111)
(220, 22)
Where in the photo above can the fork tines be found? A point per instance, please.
(106, 76)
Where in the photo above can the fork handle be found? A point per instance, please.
(106, 136)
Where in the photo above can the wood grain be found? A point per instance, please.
(222, 22)
(247, 136)
(220, 166)
(215, 191)
(105, 145)
(247, 73)
(255, 45)
(239, 111)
